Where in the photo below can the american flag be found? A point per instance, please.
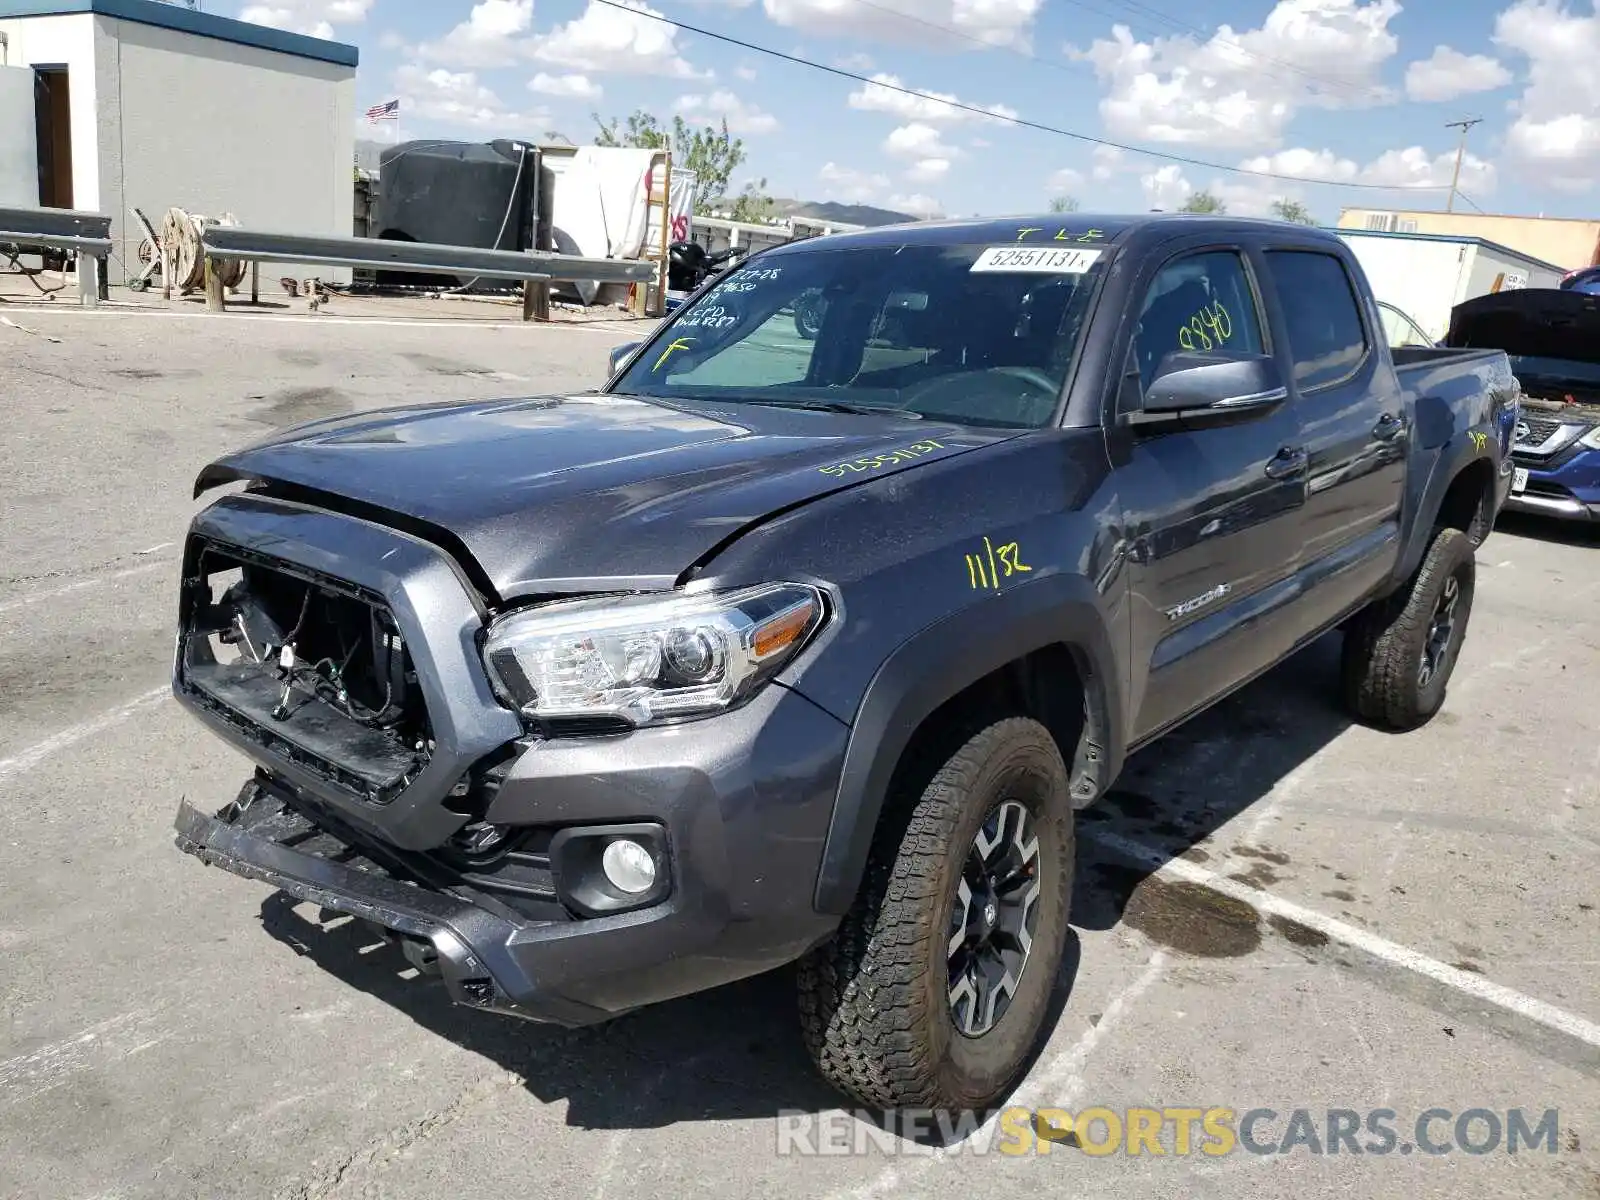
(384, 112)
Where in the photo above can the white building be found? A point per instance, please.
(1425, 275)
(139, 103)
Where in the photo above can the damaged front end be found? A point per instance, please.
(312, 667)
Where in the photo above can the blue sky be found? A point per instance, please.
(1343, 92)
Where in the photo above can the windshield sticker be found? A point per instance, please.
(995, 563)
(1061, 235)
(1040, 260)
(673, 347)
(873, 462)
(708, 316)
(1207, 329)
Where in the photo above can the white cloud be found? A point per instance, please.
(1064, 182)
(493, 35)
(918, 141)
(579, 87)
(1108, 162)
(1165, 187)
(455, 98)
(1414, 167)
(1447, 74)
(852, 186)
(917, 205)
(725, 106)
(854, 62)
(880, 96)
(928, 170)
(609, 39)
(1556, 128)
(315, 18)
(1241, 89)
(745, 73)
(1307, 164)
(1411, 167)
(976, 23)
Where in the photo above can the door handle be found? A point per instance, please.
(1286, 463)
(1388, 427)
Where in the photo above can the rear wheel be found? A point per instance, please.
(1399, 652)
(934, 989)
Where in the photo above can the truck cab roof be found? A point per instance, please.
(1114, 229)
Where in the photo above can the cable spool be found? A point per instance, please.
(183, 234)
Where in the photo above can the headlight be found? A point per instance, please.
(642, 658)
(1591, 440)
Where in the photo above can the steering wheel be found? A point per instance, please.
(1031, 375)
(968, 384)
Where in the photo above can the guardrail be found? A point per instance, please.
(536, 269)
(86, 233)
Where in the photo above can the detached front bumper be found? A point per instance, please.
(739, 850)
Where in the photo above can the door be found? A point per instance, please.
(52, 112)
(1213, 514)
(1353, 425)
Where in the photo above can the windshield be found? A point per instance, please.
(981, 335)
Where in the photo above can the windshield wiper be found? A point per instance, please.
(841, 406)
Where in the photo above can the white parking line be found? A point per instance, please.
(1476, 986)
(97, 581)
(35, 754)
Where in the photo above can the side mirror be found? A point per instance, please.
(619, 354)
(1201, 389)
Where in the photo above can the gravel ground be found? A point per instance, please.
(1341, 919)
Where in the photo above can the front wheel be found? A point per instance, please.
(934, 989)
(1400, 652)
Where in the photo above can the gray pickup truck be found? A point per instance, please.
(805, 646)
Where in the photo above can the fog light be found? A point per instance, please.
(628, 866)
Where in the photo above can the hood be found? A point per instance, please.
(574, 493)
(1530, 323)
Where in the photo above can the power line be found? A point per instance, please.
(1021, 122)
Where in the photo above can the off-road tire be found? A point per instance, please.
(1384, 643)
(874, 999)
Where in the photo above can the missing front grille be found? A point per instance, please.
(314, 668)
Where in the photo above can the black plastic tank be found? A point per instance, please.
(480, 194)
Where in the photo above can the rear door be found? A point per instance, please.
(1354, 426)
(1213, 515)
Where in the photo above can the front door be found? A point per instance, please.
(1213, 515)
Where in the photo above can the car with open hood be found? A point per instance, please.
(1552, 339)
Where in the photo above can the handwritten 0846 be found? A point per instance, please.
(987, 568)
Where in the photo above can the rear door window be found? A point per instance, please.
(1321, 317)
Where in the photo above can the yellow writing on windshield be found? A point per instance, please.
(673, 347)
(1207, 329)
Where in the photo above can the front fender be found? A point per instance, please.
(935, 664)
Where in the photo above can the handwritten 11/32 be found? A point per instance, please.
(987, 569)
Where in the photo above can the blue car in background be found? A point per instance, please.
(1552, 337)
(1584, 279)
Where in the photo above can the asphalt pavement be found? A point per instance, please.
(1274, 911)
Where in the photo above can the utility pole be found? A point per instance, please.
(1450, 205)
